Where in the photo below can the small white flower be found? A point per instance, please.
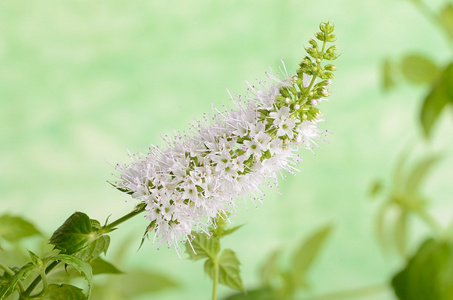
(281, 115)
(286, 128)
(252, 147)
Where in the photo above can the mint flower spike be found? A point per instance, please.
(232, 154)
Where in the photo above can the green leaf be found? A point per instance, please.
(95, 248)
(204, 246)
(433, 105)
(419, 69)
(139, 282)
(307, 253)
(15, 228)
(229, 273)
(440, 95)
(80, 265)
(419, 173)
(388, 74)
(74, 235)
(221, 223)
(9, 286)
(258, 294)
(221, 232)
(270, 268)
(101, 266)
(231, 230)
(428, 274)
(63, 292)
(446, 19)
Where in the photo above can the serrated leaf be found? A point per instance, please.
(231, 230)
(63, 292)
(139, 282)
(388, 74)
(419, 173)
(258, 294)
(419, 69)
(307, 253)
(446, 19)
(74, 235)
(270, 268)
(101, 266)
(9, 286)
(221, 232)
(204, 246)
(229, 273)
(95, 248)
(15, 228)
(440, 95)
(80, 265)
(427, 274)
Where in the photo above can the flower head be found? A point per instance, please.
(200, 176)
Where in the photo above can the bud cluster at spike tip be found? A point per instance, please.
(232, 154)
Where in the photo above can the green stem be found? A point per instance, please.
(11, 273)
(37, 280)
(355, 293)
(45, 284)
(138, 209)
(215, 279)
(431, 222)
(324, 43)
(7, 269)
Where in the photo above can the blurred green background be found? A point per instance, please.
(82, 80)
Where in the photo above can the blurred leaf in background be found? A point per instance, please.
(440, 96)
(282, 283)
(403, 200)
(14, 228)
(419, 69)
(428, 274)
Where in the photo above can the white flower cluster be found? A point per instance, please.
(226, 157)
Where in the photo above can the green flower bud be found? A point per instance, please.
(329, 75)
(330, 29)
(313, 111)
(330, 56)
(292, 89)
(313, 43)
(320, 36)
(331, 38)
(330, 67)
(332, 49)
(312, 52)
(326, 28)
(284, 92)
(298, 79)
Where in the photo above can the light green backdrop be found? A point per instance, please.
(82, 80)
